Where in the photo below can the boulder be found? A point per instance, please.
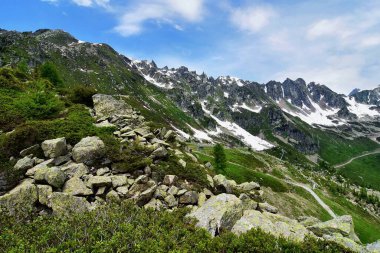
(73, 169)
(145, 196)
(24, 164)
(210, 181)
(265, 207)
(308, 221)
(107, 106)
(220, 211)
(112, 196)
(342, 225)
(61, 160)
(76, 187)
(143, 179)
(32, 171)
(102, 171)
(122, 190)
(33, 150)
(51, 175)
(345, 242)
(222, 184)
(99, 181)
(171, 201)
(160, 152)
(44, 194)
(161, 192)
(20, 199)
(88, 150)
(274, 224)
(118, 181)
(189, 198)
(170, 180)
(182, 163)
(54, 148)
(373, 247)
(201, 198)
(247, 186)
(55, 177)
(173, 190)
(66, 204)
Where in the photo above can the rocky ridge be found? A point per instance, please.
(81, 178)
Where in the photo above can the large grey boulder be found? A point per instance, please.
(54, 148)
(247, 186)
(346, 242)
(73, 169)
(88, 150)
(340, 225)
(22, 198)
(76, 187)
(274, 224)
(66, 204)
(220, 211)
(51, 175)
(44, 194)
(222, 184)
(189, 198)
(373, 247)
(99, 181)
(107, 106)
(24, 164)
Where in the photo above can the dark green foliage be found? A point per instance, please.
(220, 158)
(82, 95)
(49, 71)
(8, 78)
(127, 228)
(39, 105)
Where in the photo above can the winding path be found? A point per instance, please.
(356, 157)
(317, 198)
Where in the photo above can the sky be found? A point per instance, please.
(332, 42)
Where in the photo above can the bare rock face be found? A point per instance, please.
(54, 148)
(88, 150)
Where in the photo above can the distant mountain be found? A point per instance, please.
(290, 114)
(354, 91)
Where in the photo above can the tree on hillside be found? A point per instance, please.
(220, 158)
(49, 71)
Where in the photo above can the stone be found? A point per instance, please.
(342, 225)
(201, 198)
(33, 150)
(192, 157)
(265, 207)
(104, 123)
(190, 197)
(345, 242)
(123, 190)
(20, 199)
(107, 106)
(161, 152)
(274, 224)
(143, 179)
(73, 169)
(208, 193)
(171, 201)
(170, 180)
(24, 164)
(66, 204)
(113, 196)
(161, 192)
(146, 195)
(76, 187)
(208, 165)
(101, 191)
(54, 148)
(308, 221)
(218, 212)
(118, 181)
(61, 160)
(44, 194)
(55, 177)
(102, 171)
(88, 150)
(147, 170)
(182, 163)
(247, 186)
(224, 185)
(373, 247)
(169, 134)
(210, 181)
(181, 192)
(99, 181)
(173, 190)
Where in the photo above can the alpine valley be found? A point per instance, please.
(90, 138)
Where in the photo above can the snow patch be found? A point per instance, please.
(361, 110)
(200, 135)
(256, 109)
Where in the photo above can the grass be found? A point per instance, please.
(364, 171)
(367, 227)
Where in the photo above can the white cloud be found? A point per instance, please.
(329, 27)
(90, 3)
(85, 3)
(164, 11)
(252, 19)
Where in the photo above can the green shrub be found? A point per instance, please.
(49, 71)
(82, 95)
(127, 228)
(39, 105)
(8, 79)
(220, 158)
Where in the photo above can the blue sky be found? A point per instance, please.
(334, 42)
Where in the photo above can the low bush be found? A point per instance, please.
(82, 95)
(127, 228)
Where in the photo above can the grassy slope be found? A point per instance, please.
(364, 171)
(367, 227)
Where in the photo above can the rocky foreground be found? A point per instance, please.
(81, 178)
